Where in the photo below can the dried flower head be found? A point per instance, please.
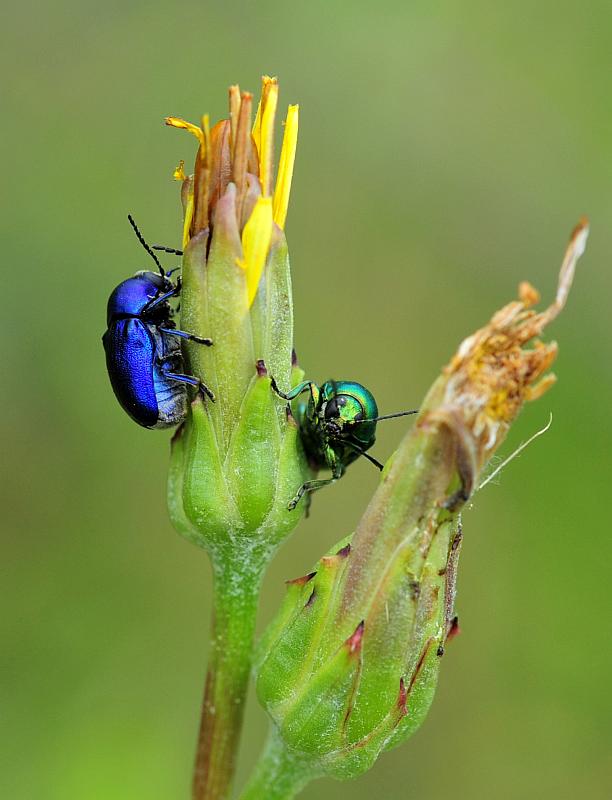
(495, 371)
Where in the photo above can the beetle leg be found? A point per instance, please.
(312, 486)
(184, 335)
(161, 360)
(191, 381)
(297, 390)
(161, 299)
(309, 486)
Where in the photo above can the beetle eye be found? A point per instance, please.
(332, 409)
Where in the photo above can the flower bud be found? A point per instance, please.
(237, 460)
(350, 666)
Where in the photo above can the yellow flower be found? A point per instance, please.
(234, 152)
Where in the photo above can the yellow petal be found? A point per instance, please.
(177, 122)
(266, 153)
(285, 167)
(256, 238)
(187, 220)
(256, 131)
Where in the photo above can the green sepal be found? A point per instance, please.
(432, 624)
(292, 471)
(245, 495)
(227, 315)
(252, 460)
(314, 724)
(402, 618)
(296, 595)
(352, 759)
(389, 620)
(194, 317)
(175, 486)
(286, 670)
(419, 699)
(205, 498)
(278, 331)
(272, 313)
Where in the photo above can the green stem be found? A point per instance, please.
(279, 775)
(236, 591)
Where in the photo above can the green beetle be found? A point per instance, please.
(337, 425)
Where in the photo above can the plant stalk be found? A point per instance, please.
(236, 589)
(278, 774)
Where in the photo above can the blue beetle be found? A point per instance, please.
(143, 349)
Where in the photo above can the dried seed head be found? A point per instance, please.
(494, 371)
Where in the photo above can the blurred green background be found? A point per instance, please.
(446, 151)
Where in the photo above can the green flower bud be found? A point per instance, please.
(235, 461)
(340, 692)
(349, 667)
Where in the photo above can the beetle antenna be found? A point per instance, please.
(172, 250)
(141, 239)
(362, 452)
(385, 416)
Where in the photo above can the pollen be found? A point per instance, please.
(179, 172)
